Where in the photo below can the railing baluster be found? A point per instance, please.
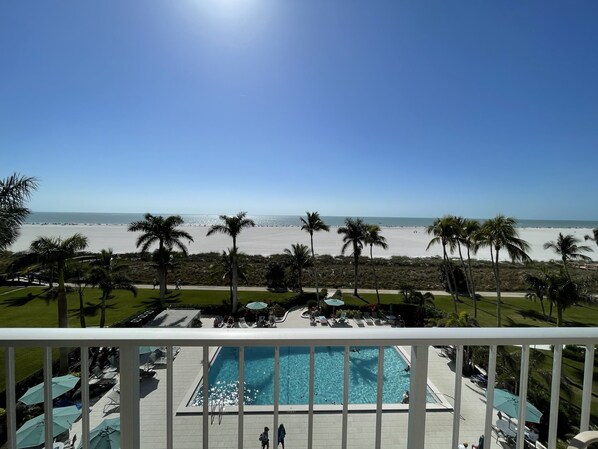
(523, 380)
(345, 399)
(11, 397)
(241, 394)
(206, 399)
(490, 393)
(169, 398)
(85, 397)
(417, 397)
(48, 396)
(129, 397)
(586, 398)
(457, 405)
(555, 392)
(310, 412)
(379, 397)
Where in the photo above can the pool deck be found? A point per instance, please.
(327, 426)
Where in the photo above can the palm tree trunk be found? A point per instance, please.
(559, 315)
(299, 275)
(375, 277)
(565, 268)
(235, 280)
(313, 256)
(464, 271)
(162, 279)
(475, 299)
(550, 310)
(448, 278)
(103, 310)
(63, 321)
(356, 260)
(497, 280)
(81, 307)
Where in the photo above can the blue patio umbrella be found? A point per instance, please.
(148, 349)
(334, 303)
(508, 403)
(32, 433)
(257, 305)
(60, 385)
(105, 436)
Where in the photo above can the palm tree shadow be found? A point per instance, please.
(154, 301)
(360, 298)
(19, 301)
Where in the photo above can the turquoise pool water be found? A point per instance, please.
(294, 376)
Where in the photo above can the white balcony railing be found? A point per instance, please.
(420, 340)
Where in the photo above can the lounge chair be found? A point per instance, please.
(100, 376)
(376, 319)
(242, 322)
(343, 318)
(113, 400)
(368, 318)
(323, 320)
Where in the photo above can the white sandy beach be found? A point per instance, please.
(410, 242)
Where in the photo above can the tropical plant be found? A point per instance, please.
(539, 289)
(108, 274)
(14, 191)
(500, 233)
(275, 275)
(418, 299)
(313, 223)
(298, 259)
(563, 293)
(567, 247)
(468, 231)
(232, 226)
(593, 237)
(55, 252)
(374, 238)
(444, 231)
(166, 233)
(353, 235)
(223, 268)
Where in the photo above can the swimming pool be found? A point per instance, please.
(294, 376)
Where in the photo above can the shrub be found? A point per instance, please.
(277, 310)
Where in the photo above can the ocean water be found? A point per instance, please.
(91, 218)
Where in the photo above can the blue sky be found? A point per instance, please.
(385, 108)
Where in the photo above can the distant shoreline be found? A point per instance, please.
(269, 240)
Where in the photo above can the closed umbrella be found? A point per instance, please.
(32, 433)
(508, 403)
(105, 436)
(60, 385)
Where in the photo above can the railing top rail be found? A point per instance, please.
(35, 337)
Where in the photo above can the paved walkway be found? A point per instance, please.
(327, 426)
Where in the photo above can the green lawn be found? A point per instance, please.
(28, 308)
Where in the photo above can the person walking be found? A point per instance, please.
(281, 434)
(265, 440)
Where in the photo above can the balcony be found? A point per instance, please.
(154, 417)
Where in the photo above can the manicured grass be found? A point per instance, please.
(28, 308)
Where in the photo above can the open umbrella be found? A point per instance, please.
(257, 306)
(508, 403)
(334, 303)
(145, 352)
(60, 385)
(32, 433)
(105, 436)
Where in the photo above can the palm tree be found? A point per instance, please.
(567, 247)
(165, 232)
(563, 292)
(468, 237)
(354, 235)
(298, 259)
(373, 238)
(313, 223)
(223, 269)
(539, 289)
(500, 233)
(107, 274)
(418, 299)
(232, 226)
(444, 232)
(593, 238)
(14, 191)
(55, 252)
